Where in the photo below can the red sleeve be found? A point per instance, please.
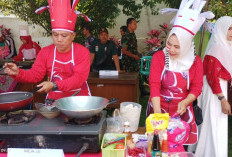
(156, 69)
(80, 70)
(38, 70)
(196, 77)
(212, 69)
(37, 47)
(19, 57)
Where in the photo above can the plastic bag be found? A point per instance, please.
(115, 123)
(157, 121)
(178, 133)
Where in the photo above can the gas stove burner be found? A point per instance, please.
(89, 121)
(18, 117)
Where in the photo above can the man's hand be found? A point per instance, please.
(46, 86)
(11, 69)
(226, 108)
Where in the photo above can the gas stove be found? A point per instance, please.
(54, 134)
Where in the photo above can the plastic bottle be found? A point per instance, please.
(126, 127)
(150, 139)
(156, 152)
(164, 148)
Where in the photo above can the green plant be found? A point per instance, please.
(157, 38)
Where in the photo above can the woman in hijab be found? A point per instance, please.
(28, 50)
(213, 139)
(176, 79)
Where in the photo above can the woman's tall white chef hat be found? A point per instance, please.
(23, 30)
(189, 16)
(62, 14)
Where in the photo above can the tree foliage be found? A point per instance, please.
(102, 12)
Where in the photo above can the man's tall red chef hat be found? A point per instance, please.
(62, 14)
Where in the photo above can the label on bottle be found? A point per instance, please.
(156, 153)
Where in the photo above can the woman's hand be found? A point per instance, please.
(226, 108)
(184, 103)
(157, 109)
(11, 69)
(156, 104)
(182, 107)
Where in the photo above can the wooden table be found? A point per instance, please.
(124, 87)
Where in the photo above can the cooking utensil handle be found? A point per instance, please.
(76, 92)
(84, 147)
(112, 101)
(35, 89)
(2, 142)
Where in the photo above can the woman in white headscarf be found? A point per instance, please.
(176, 79)
(213, 141)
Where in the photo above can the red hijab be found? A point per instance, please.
(29, 44)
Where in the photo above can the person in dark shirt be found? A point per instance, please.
(89, 38)
(103, 53)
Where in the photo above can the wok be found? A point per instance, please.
(11, 101)
(82, 107)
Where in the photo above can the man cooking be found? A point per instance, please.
(67, 64)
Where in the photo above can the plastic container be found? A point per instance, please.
(112, 152)
(45, 112)
(130, 111)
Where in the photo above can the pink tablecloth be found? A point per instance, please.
(69, 155)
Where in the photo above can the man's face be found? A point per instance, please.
(85, 31)
(63, 40)
(103, 37)
(133, 25)
(122, 32)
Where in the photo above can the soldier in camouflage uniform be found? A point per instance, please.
(129, 48)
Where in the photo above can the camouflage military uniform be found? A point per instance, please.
(130, 64)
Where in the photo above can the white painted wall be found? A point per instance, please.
(146, 23)
(35, 31)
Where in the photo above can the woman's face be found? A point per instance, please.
(173, 46)
(23, 41)
(229, 33)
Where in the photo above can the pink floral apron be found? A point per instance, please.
(174, 88)
(61, 71)
(4, 51)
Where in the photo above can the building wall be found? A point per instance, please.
(36, 32)
(146, 23)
